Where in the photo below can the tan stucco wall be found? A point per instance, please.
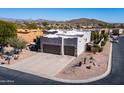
(29, 35)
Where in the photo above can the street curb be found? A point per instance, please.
(91, 79)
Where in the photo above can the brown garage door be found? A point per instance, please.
(69, 50)
(51, 49)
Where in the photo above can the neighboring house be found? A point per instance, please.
(65, 42)
(29, 35)
(117, 30)
(110, 31)
(104, 31)
(121, 31)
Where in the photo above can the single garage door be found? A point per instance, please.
(54, 49)
(69, 50)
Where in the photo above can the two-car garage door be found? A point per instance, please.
(54, 49)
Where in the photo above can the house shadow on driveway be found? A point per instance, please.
(14, 77)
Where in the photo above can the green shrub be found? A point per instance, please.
(95, 48)
(18, 43)
(88, 47)
(105, 37)
(103, 43)
(100, 49)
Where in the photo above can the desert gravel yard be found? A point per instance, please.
(88, 69)
(41, 64)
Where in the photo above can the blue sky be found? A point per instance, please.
(115, 15)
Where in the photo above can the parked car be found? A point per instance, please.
(115, 41)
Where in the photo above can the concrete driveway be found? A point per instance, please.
(42, 64)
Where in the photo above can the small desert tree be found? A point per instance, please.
(7, 30)
(17, 43)
(45, 24)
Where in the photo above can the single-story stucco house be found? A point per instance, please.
(65, 42)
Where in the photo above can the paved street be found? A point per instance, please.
(116, 76)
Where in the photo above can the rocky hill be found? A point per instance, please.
(86, 21)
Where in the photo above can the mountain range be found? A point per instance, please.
(82, 21)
